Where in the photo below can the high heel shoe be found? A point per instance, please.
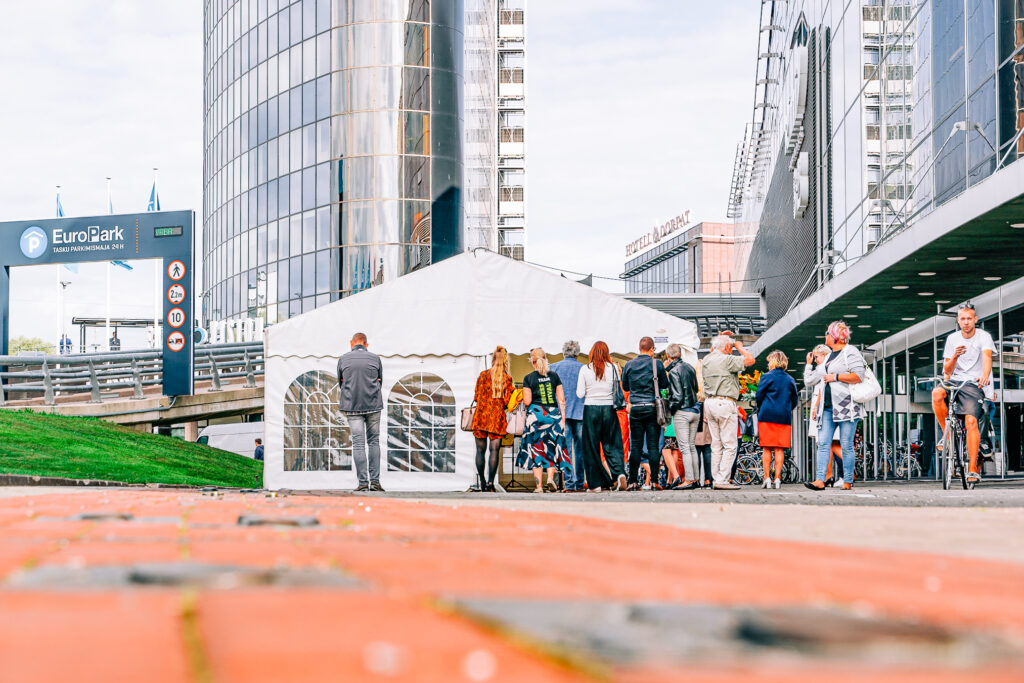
(811, 486)
(830, 482)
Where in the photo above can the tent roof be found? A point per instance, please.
(468, 304)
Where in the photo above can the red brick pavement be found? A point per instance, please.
(411, 557)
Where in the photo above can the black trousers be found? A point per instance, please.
(601, 430)
(705, 455)
(643, 423)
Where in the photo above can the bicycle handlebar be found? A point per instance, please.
(943, 380)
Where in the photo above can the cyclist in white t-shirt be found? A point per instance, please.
(967, 356)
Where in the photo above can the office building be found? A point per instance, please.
(880, 175)
(511, 63)
(348, 143)
(333, 148)
(680, 257)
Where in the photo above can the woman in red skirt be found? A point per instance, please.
(776, 399)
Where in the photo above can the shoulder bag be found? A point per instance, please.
(618, 398)
(467, 417)
(866, 390)
(516, 420)
(661, 412)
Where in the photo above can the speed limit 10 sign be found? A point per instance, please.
(175, 317)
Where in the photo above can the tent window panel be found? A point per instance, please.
(316, 434)
(421, 425)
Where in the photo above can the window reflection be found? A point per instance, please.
(421, 425)
(316, 434)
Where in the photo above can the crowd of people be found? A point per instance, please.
(597, 426)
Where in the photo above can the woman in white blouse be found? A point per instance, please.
(596, 386)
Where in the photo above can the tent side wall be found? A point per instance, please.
(418, 436)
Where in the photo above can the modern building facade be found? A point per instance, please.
(333, 155)
(511, 63)
(680, 257)
(879, 173)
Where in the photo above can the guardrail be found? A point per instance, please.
(100, 374)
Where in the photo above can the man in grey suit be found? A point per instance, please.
(359, 388)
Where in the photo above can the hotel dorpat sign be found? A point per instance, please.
(658, 233)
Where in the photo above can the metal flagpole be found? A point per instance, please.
(157, 280)
(60, 288)
(110, 209)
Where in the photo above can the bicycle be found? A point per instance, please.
(750, 467)
(954, 442)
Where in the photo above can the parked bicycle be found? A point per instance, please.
(750, 470)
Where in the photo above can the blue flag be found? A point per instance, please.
(154, 199)
(121, 264)
(60, 209)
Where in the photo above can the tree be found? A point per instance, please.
(20, 344)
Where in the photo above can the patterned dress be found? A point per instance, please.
(544, 443)
(489, 418)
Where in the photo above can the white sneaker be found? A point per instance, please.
(767, 484)
(778, 483)
(645, 487)
(839, 482)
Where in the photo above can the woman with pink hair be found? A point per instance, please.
(843, 367)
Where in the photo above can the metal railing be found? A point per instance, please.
(106, 375)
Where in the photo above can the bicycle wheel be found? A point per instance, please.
(790, 473)
(950, 458)
(747, 470)
(960, 454)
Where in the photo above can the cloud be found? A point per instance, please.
(96, 89)
(633, 116)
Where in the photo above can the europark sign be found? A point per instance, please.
(165, 235)
(658, 233)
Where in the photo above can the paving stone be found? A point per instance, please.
(103, 516)
(642, 633)
(269, 520)
(175, 575)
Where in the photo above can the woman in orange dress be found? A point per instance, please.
(493, 391)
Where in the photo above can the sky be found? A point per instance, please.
(634, 112)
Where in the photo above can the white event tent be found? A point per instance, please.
(434, 330)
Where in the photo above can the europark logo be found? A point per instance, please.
(34, 240)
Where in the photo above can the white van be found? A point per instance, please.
(237, 437)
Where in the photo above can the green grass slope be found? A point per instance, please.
(88, 448)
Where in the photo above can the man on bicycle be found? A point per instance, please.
(967, 357)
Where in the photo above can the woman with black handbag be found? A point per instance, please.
(598, 386)
(493, 390)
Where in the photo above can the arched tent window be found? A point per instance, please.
(800, 32)
(316, 435)
(421, 425)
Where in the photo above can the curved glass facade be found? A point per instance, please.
(333, 150)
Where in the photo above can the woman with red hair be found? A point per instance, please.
(596, 386)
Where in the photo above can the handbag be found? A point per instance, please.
(618, 398)
(661, 412)
(467, 417)
(516, 420)
(866, 390)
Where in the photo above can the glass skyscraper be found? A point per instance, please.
(333, 148)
